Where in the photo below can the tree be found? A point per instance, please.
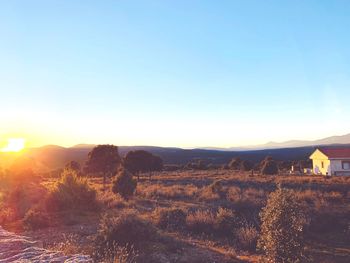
(235, 163)
(283, 221)
(247, 165)
(103, 159)
(124, 184)
(269, 167)
(74, 166)
(142, 161)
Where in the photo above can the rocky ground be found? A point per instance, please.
(15, 248)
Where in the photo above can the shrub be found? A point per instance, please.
(118, 254)
(168, 192)
(173, 218)
(247, 237)
(234, 194)
(212, 192)
(216, 186)
(71, 192)
(247, 165)
(126, 230)
(225, 221)
(235, 163)
(270, 168)
(35, 219)
(124, 184)
(201, 221)
(19, 198)
(281, 236)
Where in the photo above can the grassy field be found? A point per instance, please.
(199, 216)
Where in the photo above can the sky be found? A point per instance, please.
(173, 73)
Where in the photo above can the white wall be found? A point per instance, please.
(336, 167)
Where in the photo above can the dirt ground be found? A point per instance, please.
(326, 202)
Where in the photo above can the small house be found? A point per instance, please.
(331, 161)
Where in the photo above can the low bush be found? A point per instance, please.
(168, 192)
(282, 228)
(201, 222)
(124, 184)
(216, 186)
(173, 218)
(247, 237)
(18, 199)
(269, 167)
(119, 254)
(225, 222)
(35, 219)
(71, 192)
(126, 230)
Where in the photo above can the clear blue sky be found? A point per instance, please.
(174, 73)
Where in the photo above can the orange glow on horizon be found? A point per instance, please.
(14, 145)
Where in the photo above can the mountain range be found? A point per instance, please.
(333, 140)
(51, 157)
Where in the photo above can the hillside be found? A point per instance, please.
(342, 139)
(52, 157)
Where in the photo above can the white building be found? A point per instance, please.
(331, 161)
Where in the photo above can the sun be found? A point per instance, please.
(14, 145)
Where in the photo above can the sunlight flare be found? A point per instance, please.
(14, 145)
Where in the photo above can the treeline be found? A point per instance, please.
(267, 166)
(105, 160)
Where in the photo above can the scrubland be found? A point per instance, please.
(178, 216)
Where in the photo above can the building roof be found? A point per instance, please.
(334, 153)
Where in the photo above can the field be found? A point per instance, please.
(198, 216)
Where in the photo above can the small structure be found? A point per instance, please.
(331, 161)
(295, 169)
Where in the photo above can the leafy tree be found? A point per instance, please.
(74, 166)
(269, 167)
(283, 220)
(124, 184)
(285, 165)
(142, 161)
(157, 163)
(103, 159)
(235, 164)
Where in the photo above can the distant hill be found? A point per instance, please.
(342, 139)
(52, 157)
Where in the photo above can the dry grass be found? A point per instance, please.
(167, 192)
(216, 223)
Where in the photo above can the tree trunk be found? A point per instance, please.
(104, 182)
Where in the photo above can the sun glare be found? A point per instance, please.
(14, 145)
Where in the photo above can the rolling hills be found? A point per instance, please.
(52, 157)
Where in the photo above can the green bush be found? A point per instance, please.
(71, 192)
(281, 237)
(126, 230)
(173, 218)
(124, 184)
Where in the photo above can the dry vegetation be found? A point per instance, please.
(187, 216)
